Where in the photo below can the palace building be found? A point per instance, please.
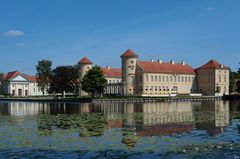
(138, 78)
(158, 78)
(18, 84)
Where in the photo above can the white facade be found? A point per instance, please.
(20, 86)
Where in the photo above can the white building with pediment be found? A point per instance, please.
(21, 85)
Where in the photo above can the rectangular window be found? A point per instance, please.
(167, 78)
(159, 78)
(225, 79)
(151, 78)
(163, 78)
(182, 79)
(185, 79)
(170, 78)
(167, 88)
(219, 78)
(178, 79)
(155, 78)
(132, 79)
(189, 79)
(13, 92)
(146, 88)
(151, 88)
(147, 78)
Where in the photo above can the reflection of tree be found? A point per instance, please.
(88, 124)
(4, 110)
(45, 123)
(93, 125)
(129, 137)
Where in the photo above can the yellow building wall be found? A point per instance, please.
(164, 84)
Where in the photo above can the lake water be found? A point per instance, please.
(140, 130)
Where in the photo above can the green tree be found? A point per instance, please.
(44, 74)
(77, 87)
(239, 71)
(1, 76)
(238, 86)
(94, 81)
(1, 79)
(233, 79)
(64, 79)
(238, 81)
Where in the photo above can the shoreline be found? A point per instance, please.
(118, 99)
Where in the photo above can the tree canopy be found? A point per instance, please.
(238, 86)
(64, 79)
(44, 74)
(1, 76)
(234, 76)
(94, 81)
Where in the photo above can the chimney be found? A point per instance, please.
(172, 62)
(151, 60)
(108, 67)
(159, 61)
(183, 62)
(221, 66)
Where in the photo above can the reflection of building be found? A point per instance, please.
(17, 84)
(169, 118)
(213, 119)
(144, 119)
(23, 108)
(158, 78)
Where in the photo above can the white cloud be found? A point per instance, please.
(13, 33)
(20, 44)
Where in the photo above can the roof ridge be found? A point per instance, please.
(85, 60)
(156, 67)
(212, 64)
(129, 53)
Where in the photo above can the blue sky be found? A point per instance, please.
(64, 31)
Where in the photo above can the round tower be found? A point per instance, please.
(84, 65)
(129, 59)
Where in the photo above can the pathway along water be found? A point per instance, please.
(116, 100)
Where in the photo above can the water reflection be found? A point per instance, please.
(135, 119)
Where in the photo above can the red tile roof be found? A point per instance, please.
(112, 72)
(156, 67)
(129, 53)
(162, 130)
(85, 60)
(11, 75)
(212, 64)
(30, 78)
(114, 124)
